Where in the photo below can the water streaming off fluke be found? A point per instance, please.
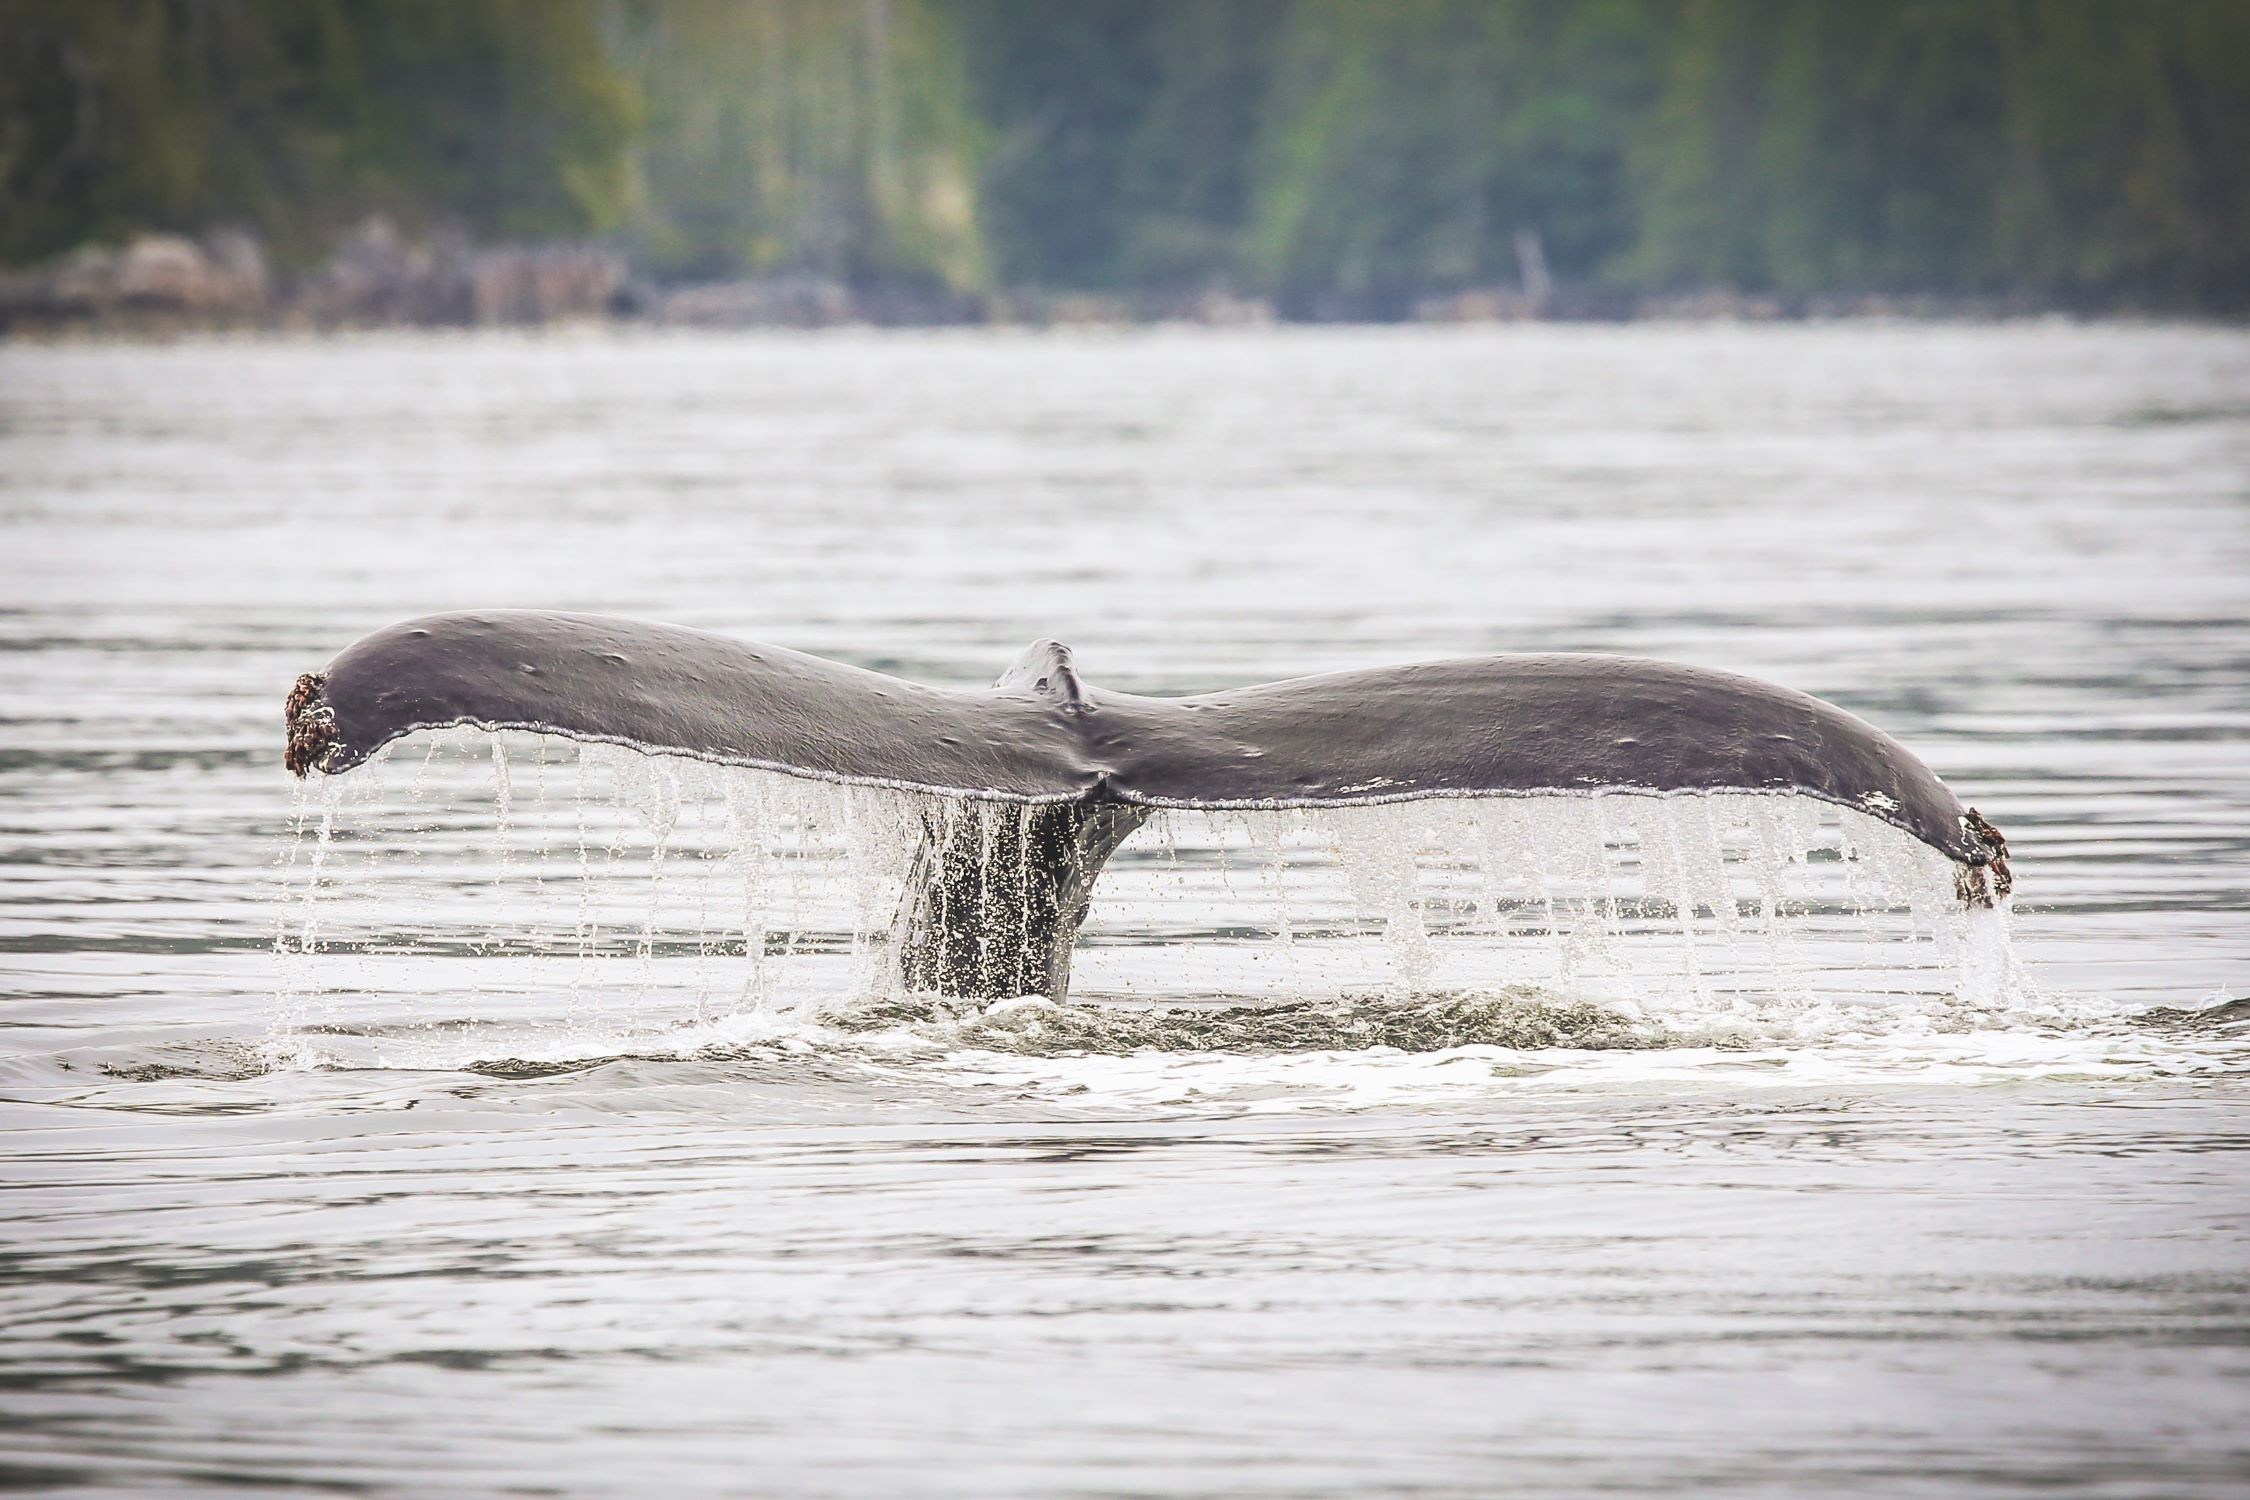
(571, 887)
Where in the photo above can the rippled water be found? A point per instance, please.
(519, 1183)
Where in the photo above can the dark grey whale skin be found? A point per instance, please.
(1495, 725)
(992, 908)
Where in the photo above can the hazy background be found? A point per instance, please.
(1327, 158)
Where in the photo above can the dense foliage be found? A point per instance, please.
(293, 117)
(1339, 155)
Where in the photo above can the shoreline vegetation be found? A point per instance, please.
(164, 284)
(804, 163)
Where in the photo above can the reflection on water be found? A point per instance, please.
(548, 1168)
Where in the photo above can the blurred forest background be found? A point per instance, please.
(1323, 158)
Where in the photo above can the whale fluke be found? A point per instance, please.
(1090, 764)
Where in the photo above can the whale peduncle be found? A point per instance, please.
(998, 892)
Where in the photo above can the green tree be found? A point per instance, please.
(2086, 151)
(296, 116)
(805, 135)
(1185, 183)
(1408, 144)
(1064, 88)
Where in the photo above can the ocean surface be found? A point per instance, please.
(521, 1120)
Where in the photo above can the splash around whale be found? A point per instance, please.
(989, 915)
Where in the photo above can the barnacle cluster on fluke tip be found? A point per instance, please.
(1988, 882)
(312, 724)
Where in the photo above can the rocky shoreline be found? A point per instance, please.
(381, 278)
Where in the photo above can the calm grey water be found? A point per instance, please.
(436, 1220)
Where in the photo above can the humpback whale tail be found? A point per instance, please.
(989, 917)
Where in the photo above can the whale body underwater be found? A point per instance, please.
(988, 918)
